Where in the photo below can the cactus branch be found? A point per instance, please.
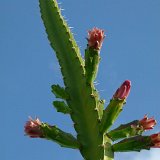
(62, 138)
(125, 131)
(133, 144)
(91, 64)
(110, 114)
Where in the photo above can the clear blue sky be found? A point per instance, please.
(28, 67)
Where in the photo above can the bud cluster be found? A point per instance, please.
(95, 38)
(147, 123)
(33, 128)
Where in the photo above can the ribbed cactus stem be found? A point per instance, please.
(108, 152)
(80, 99)
(92, 59)
(62, 138)
(111, 113)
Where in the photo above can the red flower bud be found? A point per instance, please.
(147, 123)
(123, 91)
(95, 38)
(32, 128)
(155, 140)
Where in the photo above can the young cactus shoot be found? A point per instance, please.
(80, 99)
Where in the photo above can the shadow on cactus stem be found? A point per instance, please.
(81, 100)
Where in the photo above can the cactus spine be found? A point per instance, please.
(80, 98)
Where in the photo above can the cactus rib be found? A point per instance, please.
(62, 138)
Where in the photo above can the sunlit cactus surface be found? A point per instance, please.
(80, 99)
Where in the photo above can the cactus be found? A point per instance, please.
(81, 100)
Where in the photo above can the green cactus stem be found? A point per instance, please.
(82, 99)
(108, 152)
(111, 113)
(92, 59)
(101, 108)
(133, 144)
(62, 138)
(125, 131)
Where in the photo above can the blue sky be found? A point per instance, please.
(28, 67)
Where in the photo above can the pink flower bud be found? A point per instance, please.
(95, 38)
(123, 91)
(32, 128)
(147, 123)
(155, 139)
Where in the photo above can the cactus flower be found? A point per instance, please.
(123, 91)
(147, 123)
(95, 38)
(155, 139)
(32, 128)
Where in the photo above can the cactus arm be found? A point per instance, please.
(111, 113)
(59, 92)
(81, 101)
(59, 34)
(125, 131)
(62, 138)
(133, 144)
(92, 60)
(61, 107)
(62, 41)
(95, 63)
(108, 151)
